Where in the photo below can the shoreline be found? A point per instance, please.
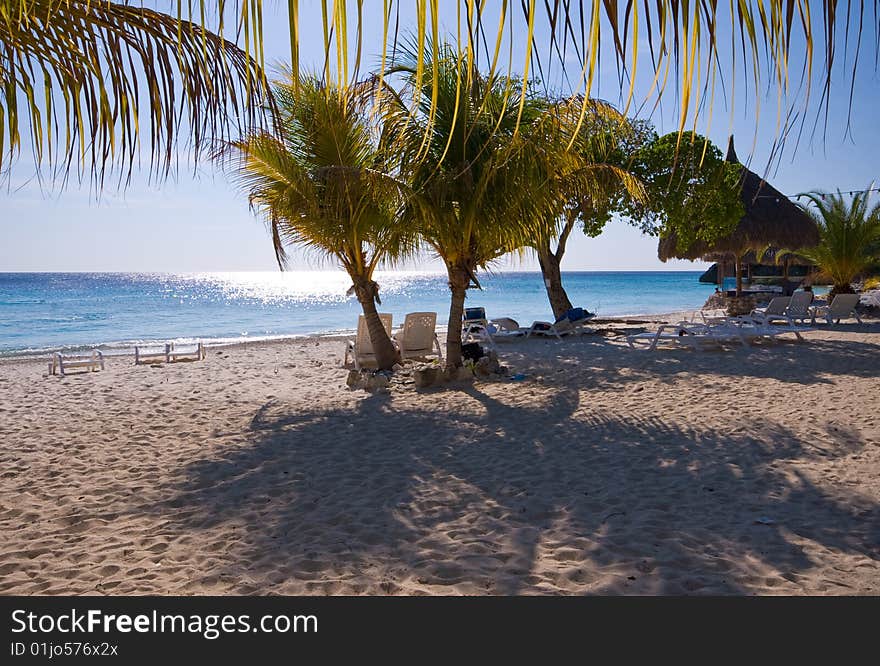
(122, 352)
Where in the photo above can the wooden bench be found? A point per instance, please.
(61, 364)
(151, 355)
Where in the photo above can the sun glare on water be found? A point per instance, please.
(289, 287)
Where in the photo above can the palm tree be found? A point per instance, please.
(325, 181)
(849, 237)
(87, 76)
(473, 173)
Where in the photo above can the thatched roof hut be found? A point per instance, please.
(770, 219)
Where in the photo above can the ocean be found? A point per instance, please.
(45, 312)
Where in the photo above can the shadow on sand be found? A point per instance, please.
(384, 497)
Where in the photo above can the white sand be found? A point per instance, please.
(606, 471)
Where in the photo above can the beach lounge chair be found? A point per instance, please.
(843, 306)
(692, 334)
(144, 354)
(770, 326)
(799, 307)
(361, 348)
(475, 327)
(417, 338)
(194, 352)
(91, 362)
(777, 306)
(569, 323)
(505, 328)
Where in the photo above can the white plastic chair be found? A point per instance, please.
(776, 306)
(569, 323)
(475, 327)
(799, 306)
(91, 362)
(360, 350)
(418, 337)
(842, 307)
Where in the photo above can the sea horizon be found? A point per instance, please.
(46, 311)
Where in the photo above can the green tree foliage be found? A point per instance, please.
(604, 141)
(691, 192)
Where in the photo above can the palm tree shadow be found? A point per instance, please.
(506, 498)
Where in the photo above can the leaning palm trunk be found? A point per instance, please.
(552, 272)
(324, 185)
(367, 293)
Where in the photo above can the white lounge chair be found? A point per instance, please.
(799, 307)
(144, 355)
(569, 323)
(689, 333)
(843, 306)
(418, 338)
(91, 362)
(361, 348)
(770, 326)
(475, 327)
(187, 353)
(776, 306)
(505, 328)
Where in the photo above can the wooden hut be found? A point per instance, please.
(770, 219)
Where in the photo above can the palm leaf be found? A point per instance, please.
(85, 75)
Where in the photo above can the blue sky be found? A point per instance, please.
(202, 223)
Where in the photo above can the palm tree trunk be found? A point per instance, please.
(551, 266)
(459, 278)
(550, 269)
(386, 354)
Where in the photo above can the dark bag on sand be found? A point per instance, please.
(472, 351)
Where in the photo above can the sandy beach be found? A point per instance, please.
(606, 470)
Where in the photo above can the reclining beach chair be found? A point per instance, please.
(194, 352)
(771, 326)
(843, 306)
(799, 307)
(505, 328)
(475, 327)
(692, 334)
(776, 306)
(90, 362)
(361, 348)
(569, 323)
(417, 338)
(148, 354)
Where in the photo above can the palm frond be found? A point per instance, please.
(790, 45)
(93, 80)
(849, 235)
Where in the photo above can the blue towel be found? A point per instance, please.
(575, 315)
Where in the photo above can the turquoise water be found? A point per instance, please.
(42, 312)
